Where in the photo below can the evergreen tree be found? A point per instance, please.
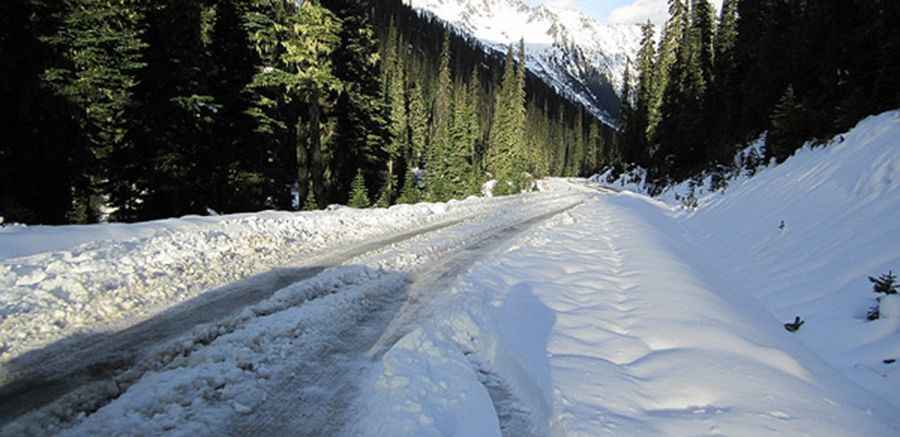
(436, 167)
(40, 167)
(704, 27)
(101, 44)
(236, 170)
(721, 94)
(411, 192)
(359, 195)
(174, 123)
(458, 159)
(506, 157)
(637, 132)
(418, 125)
(884, 284)
(472, 133)
(520, 178)
(297, 84)
(360, 131)
(627, 116)
(666, 57)
(787, 125)
(594, 148)
(398, 126)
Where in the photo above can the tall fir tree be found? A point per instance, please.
(360, 131)
(398, 126)
(667, 55)
(418, 124)
(436, 167)
(101, 44)
(294, 88)
(237, 170)
(359, 195)
(638, 130)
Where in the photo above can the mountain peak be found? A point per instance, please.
(568, 49)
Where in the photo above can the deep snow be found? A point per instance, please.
(840, 205)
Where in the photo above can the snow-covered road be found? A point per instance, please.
(365, 282)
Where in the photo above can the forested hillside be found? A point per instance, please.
(133, 110)
(798, 70)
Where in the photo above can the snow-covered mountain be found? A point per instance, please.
(581, 58)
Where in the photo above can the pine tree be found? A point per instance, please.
(418, 125)
(359, 194)
(236, 170)
(520, 178)
(295, 86)
(722, 93)
(361, 129)
(627, 117)
(166, 175)
(787, 127)
(704, 26)
(459, 170)
(101, 43)
(506, 155)
(884, 284)
(411, 193)
(594, 148)
(436, 167)
(666, 58)
(473, 136)
(398, 126)
(637, 133)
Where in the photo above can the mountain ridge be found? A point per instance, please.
(579, 57)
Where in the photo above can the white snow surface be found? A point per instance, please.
(59, 281)
(840, 206)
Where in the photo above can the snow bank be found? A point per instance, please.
(804, 236)
(840, 210)
(77, 279)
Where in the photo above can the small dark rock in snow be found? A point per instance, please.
(795, 326)
(890, 361)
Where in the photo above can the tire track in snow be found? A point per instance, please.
(110, 388)
(298, 405)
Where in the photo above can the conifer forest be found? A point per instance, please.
(797, 70)
(131, 110)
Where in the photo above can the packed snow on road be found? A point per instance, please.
(576, 311)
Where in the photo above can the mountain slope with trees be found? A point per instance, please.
(131, 111)
(797, 70)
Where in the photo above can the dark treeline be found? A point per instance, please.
(801, 70)
(134, 109)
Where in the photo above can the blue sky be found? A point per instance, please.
(599, 9)
(620, 11)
